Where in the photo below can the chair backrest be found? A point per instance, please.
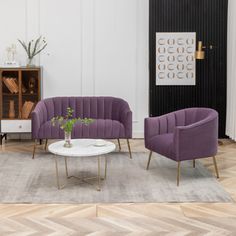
(90, 107)
(192, 115)
(168, 122)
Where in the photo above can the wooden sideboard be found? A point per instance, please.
(20, 90)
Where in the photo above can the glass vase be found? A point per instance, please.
(68, 143)
(30, 62)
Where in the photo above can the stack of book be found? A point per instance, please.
(12, 85)
(26, 109)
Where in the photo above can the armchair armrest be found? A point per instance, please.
(159, 125)
(151, 127)
(196, 140)
(39, 117)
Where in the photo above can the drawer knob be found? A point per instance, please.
(20, 126)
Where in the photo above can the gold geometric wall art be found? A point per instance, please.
(175, 58)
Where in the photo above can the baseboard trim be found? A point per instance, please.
(138, 134)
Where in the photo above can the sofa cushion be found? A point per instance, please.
(100, 128)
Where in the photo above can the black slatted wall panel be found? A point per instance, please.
(208, 18)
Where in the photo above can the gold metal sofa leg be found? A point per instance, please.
(34, 148)
(119, 144)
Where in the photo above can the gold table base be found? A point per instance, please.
(83, 180)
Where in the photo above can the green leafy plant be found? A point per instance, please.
(33, 47)
(67, 122)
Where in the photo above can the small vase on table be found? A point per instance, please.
(67, 143)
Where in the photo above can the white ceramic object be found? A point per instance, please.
(100, 143)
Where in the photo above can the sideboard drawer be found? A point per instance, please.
(16, 126)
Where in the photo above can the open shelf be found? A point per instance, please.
(29, 94)
(10, 94)
(19, 92)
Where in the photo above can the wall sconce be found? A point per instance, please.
(200, 54)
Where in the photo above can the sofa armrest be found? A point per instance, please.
(126, 120)
(39, 117)
(196, 140)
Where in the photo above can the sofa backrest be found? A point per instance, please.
(86, 107)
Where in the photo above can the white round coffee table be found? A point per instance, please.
(82, 148)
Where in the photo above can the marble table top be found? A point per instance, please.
(82, 148)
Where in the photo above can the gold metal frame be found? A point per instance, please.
(149, 159)
(46, 144)
(82, 179)
(178, 173)
(179, 167)
(130, 154)
(216, 168)
(119, 144)
(34, 148)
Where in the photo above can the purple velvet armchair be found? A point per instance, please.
(112, 118)
(187, 134)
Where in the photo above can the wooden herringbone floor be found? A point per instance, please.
(126, 219)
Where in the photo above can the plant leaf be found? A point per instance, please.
(41, 49)
(29, 46)
(36, 45)
(23, 45)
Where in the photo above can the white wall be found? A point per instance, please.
(95, 47)
(231, 72)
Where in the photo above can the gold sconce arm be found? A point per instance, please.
(200, 54)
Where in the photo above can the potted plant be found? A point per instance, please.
(67, 124)
(33, 48)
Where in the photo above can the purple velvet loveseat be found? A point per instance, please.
(187, 134)
(112, 118)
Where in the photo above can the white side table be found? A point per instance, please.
(82, 148)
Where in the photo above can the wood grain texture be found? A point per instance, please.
(126, 219)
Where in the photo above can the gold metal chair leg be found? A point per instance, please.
(119, 144)
(67, 174)
(194, 163)
(216, 168)
(46, 144)
(130, 154)
(149, 159)
(34, 149)
(178, 173)
(99, 174)
(105, 175)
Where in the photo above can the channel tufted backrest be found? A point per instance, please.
(168, 122)
(90, 107)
